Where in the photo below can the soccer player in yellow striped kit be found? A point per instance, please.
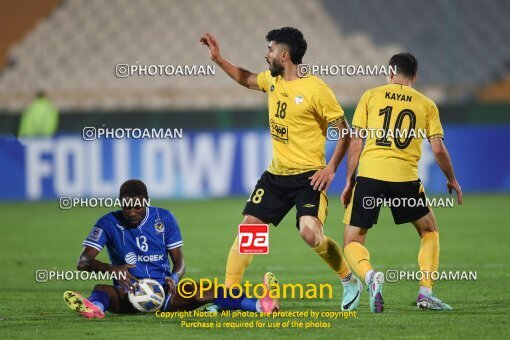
(301, 108)
(388, 170)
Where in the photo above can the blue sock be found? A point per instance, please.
(100, 299)
(249, 305)
(233, 303)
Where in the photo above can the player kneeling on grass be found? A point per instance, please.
(139, 240)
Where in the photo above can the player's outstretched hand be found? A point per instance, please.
(454, 185)
(124, 277)
(210, 41)
(347, 194)
(171, 285)
(322, 178)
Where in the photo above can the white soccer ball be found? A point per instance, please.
(148, 295)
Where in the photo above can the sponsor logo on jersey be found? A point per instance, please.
(279, 131)
(132, 258)
(298, 99)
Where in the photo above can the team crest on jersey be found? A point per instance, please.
(159, 226)
(298, 99)
(272, 88)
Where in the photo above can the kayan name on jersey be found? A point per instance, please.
(398, 96)
(405, 117)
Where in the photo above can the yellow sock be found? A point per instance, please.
(428, 257)
(359, 258)
(331, 254)
(236, 264)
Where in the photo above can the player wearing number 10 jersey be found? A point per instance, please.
(388, 170)
(300, 111)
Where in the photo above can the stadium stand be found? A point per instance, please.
(452, 58)
(19, 17)
(72, 54)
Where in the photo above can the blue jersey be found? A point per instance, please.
(145, 246)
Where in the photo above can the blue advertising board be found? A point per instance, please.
(213, 164)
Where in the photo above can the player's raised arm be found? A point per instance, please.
(443, 160)
(88, 262)
(240, 75)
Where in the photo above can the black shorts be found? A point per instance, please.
(407, 201)
(275, 195)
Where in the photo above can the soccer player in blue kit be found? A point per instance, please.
(139, 239)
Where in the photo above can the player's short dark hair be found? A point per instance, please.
(293, 38)
(133, 188)
(406, 64)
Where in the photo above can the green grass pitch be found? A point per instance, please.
(473, 237)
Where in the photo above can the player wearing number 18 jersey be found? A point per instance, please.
(395, 116)
(300, 111)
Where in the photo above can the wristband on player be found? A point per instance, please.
(175, 277)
